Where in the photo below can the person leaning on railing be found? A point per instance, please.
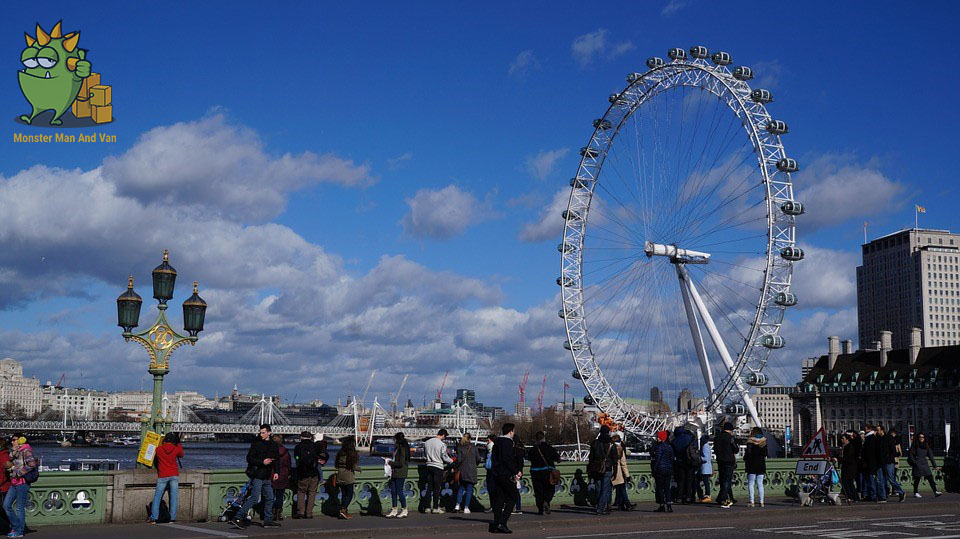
(167, 476)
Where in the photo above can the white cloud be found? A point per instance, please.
(588, 47)
(222, 167)
(524, 62)
(550, 222)
(768, 74)
(825, 278)
(544, 163)
(621, 48)
(835, 189)
(396, 162)
(672, 7)
(442, 213)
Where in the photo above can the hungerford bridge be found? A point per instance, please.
(365, 423)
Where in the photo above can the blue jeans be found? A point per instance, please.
(464, 495)
(396, 491)
(879, 485)
(19, 494)
(868, 486)
(755, 479)
(890, 478)
(605, 485)
(162, 484)
(259, 488)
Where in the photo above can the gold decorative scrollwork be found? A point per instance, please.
(162, 337)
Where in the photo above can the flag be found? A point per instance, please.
(920, 209)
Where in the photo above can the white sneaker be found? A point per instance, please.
(402, 514)
(392, 513)
(917, 495)
(456, 508)
(466, 510)
(438, 511)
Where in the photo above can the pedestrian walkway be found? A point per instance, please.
(706, 520)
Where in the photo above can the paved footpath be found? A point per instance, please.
(914, 518)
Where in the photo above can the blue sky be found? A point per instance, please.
(479, 110)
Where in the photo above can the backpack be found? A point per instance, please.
(32, 476)
(692, 455)
(305, 454)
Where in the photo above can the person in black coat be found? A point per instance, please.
(849, 467)
(505, 474)
(602, 465)
(661, 465)
(725, 448)
(870, 465)
(889, 453)
(260, 469)
(543, 459)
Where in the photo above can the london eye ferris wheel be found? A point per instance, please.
(679, 242)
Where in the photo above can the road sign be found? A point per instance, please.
(148, 448)
(811, 467)
(817, 446)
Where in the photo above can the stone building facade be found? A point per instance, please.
(915, 387)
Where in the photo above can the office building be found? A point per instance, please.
(908, 279)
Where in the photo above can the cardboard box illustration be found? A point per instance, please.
(102, 114)
(89, 82)
(81, 109)
(101, 95)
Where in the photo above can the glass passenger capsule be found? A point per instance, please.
(677, 53)
(785, 299)
(578, 183)
(791, 253)
(756, 379)
(761, 95)
(772, 341)
(735, 409)
(574, 346)
(777, 127)
(721, 58)
(633, 77)
(589, 152)
(655, 62)
(566, 247)
(787, 164)
(565, 281)
(570, 215)
(792, 207)
(602, 124)
(743, 73)
(699, 51)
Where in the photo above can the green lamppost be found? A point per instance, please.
(160, 340)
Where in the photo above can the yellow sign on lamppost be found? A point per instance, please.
(148, 448)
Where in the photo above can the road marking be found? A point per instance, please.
(669, 530)
(202, 530)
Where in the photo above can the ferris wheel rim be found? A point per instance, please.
(768, 314)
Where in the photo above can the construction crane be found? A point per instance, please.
(370, 381)
(442, 384)
(396, 396)
(543, 386)
(523, 388)
(63, 377)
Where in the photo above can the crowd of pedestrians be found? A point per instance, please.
(868, 463)
(18, 470)
(682, 467)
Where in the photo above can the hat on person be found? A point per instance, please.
(306, 435)
(662, 436)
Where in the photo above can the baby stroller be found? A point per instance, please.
(818, 488)
(230, 512)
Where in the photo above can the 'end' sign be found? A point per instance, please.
(811, 467)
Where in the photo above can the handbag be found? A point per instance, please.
(554, 477)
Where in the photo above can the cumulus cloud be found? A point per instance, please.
(524, 62)
(544, 162)
(549, 226)
(442, 213)
(835, 189)
(222, 167)
(826, 278)
(398, 161)
(590, 47)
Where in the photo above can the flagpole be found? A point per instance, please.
(916, 217)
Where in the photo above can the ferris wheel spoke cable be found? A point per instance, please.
(729, 223)
(727, 199)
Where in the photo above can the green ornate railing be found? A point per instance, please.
(69, 498)
(90, 497)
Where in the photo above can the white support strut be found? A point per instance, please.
(695, 333)
(718, 343)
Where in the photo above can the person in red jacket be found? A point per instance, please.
(281, 477)
(167, 475)
(4, 483)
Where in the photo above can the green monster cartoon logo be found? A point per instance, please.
(54, 69)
